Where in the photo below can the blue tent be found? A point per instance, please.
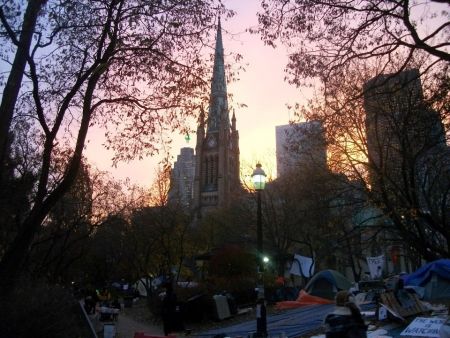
(434, 277)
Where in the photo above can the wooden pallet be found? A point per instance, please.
(413, 305)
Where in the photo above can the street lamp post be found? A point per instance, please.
(259, 182)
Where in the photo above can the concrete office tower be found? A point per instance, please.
(182, 178)
(217, 148)
(402, 132)
(300, 145)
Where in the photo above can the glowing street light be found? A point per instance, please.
(259, 183)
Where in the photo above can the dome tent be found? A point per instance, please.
(326, 283)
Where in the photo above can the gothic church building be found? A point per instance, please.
(217, 149)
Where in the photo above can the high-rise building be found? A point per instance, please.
(217, 147)
(402, 132)
(300, 145)
(182, 178)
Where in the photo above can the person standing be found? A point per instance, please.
(90, 301)
(346, 320)
(171, 314)
(116, 307)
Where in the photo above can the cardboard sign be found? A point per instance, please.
(424, 327)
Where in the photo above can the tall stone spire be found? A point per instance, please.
(218, 102)
(217, 151)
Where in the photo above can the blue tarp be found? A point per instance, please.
(421, 276)
(293, 323)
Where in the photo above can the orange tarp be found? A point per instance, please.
(303, 299)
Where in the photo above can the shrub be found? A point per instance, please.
(38, 310)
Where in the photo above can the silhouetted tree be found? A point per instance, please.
(396, 151)
(135, 66)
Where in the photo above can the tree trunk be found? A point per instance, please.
(11, 264)
(12, 87)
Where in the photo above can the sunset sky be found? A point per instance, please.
(262, 88)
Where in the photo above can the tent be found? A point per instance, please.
(303, 299)
(145, 283)
(434, 277)
(141, 286)
(326, 283)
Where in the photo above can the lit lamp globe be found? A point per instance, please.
(259, 178)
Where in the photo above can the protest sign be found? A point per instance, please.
(424, 327)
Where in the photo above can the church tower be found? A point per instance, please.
(217, 147)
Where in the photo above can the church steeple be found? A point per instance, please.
(218, 109)
(217, 151)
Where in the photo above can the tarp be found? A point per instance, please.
(440, 267)
(433, 277)
(326, 283)
(304, 299)
(302, 266)
(291, 323)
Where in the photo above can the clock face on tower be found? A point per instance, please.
(211, 141)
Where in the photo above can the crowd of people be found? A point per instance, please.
(107, 307)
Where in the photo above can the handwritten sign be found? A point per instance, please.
(424, 327)
(375, 266)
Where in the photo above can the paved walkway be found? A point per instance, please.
(126, 327)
